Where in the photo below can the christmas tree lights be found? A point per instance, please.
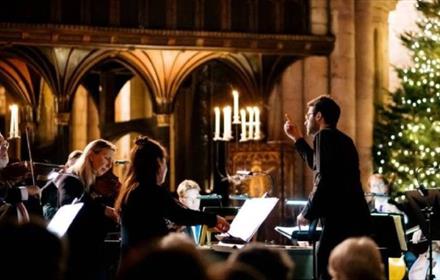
(407, 128)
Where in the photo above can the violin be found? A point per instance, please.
(107, 187)
(20, 171)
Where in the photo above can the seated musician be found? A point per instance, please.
(49, 193)
(189, 195)
(378, 195)
(12, 196)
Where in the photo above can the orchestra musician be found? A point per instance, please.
(87, 232)
(12, 195)
(337, 198)
(188, 192)
(145, 206)
(49, 193)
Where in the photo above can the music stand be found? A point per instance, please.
(422, 206)
(388, 233)
(311, 235)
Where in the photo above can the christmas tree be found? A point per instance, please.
(407, 126)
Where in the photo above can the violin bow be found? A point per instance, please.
(30, 156)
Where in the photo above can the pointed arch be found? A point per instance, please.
(17, 76)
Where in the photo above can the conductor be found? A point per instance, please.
(337, 198)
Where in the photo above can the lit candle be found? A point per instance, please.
(13, 129)
(243, 125)
(257, 123)
(227, 131)
(217, 124)
(251, 122)
(236, 119)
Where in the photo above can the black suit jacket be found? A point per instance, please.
(337, 197)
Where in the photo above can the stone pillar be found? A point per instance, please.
(319, 17)
(342, 64)
(93, 131)
(62, 119)
(78, 122)
(381, 10)
(316, 78)
(291, 89)
(364, 86)
(111, 85)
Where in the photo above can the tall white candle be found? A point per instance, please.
(243, 125)
(251, 122)
(236, 119)
(217, 124)
(227, 131)
(13, 129)
(257, 135)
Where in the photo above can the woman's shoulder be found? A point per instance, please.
(68, 179)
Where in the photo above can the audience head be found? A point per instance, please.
(356, 258)
(147, 167)
(189, 194)
(96, 159)
(233, 271)
(154, 263)
(272, 263)
(4, 158)
(30, 251)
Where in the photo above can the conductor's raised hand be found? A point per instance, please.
(292, 130)
(222, 225)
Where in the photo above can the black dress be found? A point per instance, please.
(87, 232)
(337, 198)
(144, 216)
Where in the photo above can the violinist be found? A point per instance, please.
(87, 232)
(11, 196)
(49, 193)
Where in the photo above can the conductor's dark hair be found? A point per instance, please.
(328, 108)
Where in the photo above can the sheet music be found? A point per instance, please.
(287, 231)
(63, 218)
(250, 216)
(400, 233)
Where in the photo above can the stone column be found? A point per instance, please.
(342, 64)
(62, 119)
(380, 12)
(315, 69)
(364, 86)
(291, 89)
(319, 17)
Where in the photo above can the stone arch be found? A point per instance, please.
(17, 81)
(34, 60)
(96, 57)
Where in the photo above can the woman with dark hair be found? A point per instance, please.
(145, 206)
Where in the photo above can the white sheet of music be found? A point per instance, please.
(63, 218)
(287, 231)
(400, 232)
(250, 217)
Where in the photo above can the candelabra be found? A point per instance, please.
(248, 119)
(14, 134)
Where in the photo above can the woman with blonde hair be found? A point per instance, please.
(145, 206)
(87, 232)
